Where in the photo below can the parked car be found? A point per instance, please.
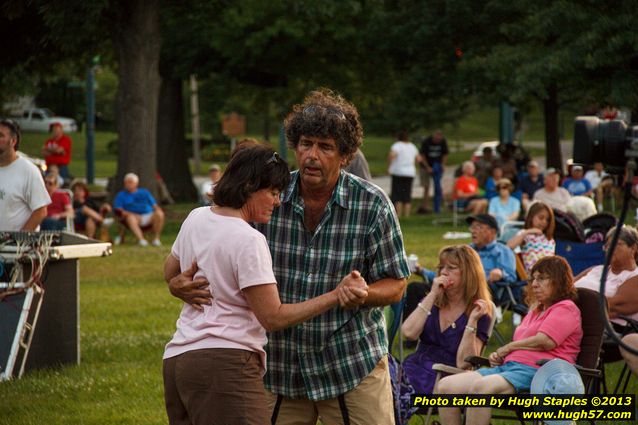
(41, 119)
(478, 153)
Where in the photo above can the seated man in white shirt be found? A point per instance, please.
(552, 194)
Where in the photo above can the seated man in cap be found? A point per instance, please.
(498, 259)
(577, 184)
(206, 191)
(552, 194)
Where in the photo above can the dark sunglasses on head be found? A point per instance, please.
(273, 159)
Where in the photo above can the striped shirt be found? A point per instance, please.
(331, 353)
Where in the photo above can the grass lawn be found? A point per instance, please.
(127, 315)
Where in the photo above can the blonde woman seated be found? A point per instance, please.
(452, 321)
(552, 329)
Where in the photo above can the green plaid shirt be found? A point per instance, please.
(330, 354)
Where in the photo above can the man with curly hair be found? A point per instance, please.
(329, 225)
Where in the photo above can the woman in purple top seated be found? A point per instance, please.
(452, 321)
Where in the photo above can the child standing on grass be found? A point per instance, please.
(536, 239)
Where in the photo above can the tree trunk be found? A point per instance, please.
(553, 153)
(172, 161)
(137, 43)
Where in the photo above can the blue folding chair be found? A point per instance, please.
(581, 256)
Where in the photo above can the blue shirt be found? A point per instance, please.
(577, 187)
(496, 255)
(139, 202)
(526, 185)
(502, 212)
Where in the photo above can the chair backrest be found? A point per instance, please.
(593, 327)
(490, 329)
(568, 227)
(70, 226)
(580, 256)
(509, 229)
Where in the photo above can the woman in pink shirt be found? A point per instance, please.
(551, 330)
(214, 364)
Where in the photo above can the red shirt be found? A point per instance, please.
(59, 200)
(59, 159)
(467, 185)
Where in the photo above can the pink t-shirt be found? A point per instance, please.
(231, 255)
(561, 322)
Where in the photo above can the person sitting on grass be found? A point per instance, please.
(88, 214)
(137, 208)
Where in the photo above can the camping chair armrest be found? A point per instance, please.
(593, 373)
(477, 361)
(450, 370)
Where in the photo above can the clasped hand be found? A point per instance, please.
(352, 291)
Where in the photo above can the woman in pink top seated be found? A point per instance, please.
(214, 364)
(552, 329)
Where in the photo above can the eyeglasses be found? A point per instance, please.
(448, 267)
(313, 109)
(273, 159)
(539, 279)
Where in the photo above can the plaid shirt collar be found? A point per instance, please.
(339, 193)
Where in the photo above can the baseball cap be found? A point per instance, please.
(483, 218)
(577, 167)
(532, 163)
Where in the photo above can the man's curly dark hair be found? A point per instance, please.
(326, 114)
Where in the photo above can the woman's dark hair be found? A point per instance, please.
(252, 167)
(14, 129)
(403, 136)
(534, 209)
(326, 114)
(560, 275)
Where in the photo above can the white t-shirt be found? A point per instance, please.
(22, 191)
(206, 190)
(593, 177)
(592, 281)
(231, 255)
(557, 199)
(403, 163)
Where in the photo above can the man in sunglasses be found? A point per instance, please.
(329, 223)
(23, 197)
